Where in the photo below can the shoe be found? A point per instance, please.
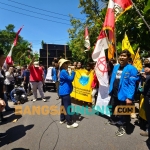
(74, 125)
(34, 100)
(144, 133)
(44, 99)
(133, 116)
(121, 131)
(10, 109)
(61, 122)
(2, 135)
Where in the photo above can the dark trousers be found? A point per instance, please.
(147, 111)
(9, 88)
(57, 87)
(66, 102)
(123, 120)
(26, 87)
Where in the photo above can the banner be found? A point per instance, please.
(82, 85)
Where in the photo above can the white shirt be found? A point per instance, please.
(9, 78)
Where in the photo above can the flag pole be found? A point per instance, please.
(141, 15)
(115, 44)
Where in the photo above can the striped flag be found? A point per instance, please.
(8, 60)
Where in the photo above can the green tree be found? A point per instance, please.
(130, 22)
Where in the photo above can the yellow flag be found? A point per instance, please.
(126, 45)
(137, 61)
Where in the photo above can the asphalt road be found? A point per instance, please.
(43, 132)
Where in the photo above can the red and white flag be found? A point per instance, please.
(9, 60)
(102, 43)
(87, 39)
(101, 69)
(114, 10)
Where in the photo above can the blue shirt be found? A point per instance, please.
(26, 74)
(65, 86)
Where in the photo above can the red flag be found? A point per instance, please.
(16, 39)
(114, 10)
(87, 40)
(101, 43)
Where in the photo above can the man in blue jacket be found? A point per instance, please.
(122, 89)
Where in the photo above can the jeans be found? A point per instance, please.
(66, 102)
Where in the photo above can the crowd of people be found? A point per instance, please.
(125, 83)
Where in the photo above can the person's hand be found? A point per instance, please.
(128, 102)
(2, 105)
(147, 70)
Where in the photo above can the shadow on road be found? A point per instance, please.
(11, 118)
(15, 133)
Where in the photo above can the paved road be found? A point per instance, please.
(43, 132)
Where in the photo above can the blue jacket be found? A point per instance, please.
(54, 74)
(65, 85)
(127, 85)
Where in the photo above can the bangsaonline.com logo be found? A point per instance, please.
(72, 110)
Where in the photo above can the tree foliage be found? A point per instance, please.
(130, 22)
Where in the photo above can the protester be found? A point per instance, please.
(146, 94)
(65, 88)
(95, 85)
(79, 65)
(36, 79)
(122, 89)
(55, 76)
(2, 59)
(9, 81)
(26, 77)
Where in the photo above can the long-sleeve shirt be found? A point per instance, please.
(65, 86)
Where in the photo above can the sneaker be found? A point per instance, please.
(2, 135)
(34, 100)
(121, 131)
(144, 133)
(44, 99)
(61, 122)
(74, 125)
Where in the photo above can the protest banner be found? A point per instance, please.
(82, 85)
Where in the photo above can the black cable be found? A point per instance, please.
(42, 9)
(54, 121)
(35, 16)
(34, 12)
